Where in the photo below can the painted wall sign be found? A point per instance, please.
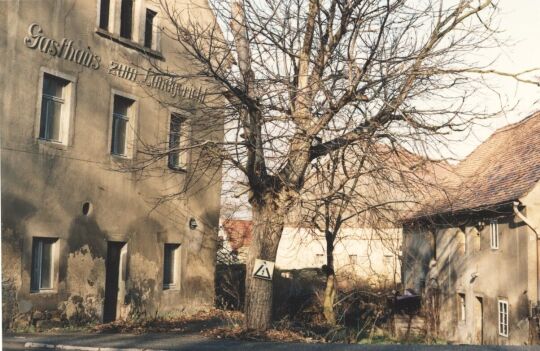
(36, 39)
(157, 81)
(64, 49)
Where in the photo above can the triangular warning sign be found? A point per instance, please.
(263, 269)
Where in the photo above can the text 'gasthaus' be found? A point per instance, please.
(63, 49)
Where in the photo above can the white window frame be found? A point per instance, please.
(53, 269)
(175, 284)
(68, 109)
(462, 307)
(131, 131)
(494, 237)
(503, 313)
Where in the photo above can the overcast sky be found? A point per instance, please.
(520, 23)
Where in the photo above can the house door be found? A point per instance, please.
(478, 336)
(112, 279)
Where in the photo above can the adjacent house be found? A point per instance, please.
(82, 238)
(473, 250)
(362, 254)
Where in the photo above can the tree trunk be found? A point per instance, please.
(329, 298)
(268, 221)
(330, 290)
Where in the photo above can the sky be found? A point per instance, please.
(520, 25)
(520, 29)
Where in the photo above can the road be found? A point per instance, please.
(170, 341)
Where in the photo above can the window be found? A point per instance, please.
(126, 19)
(461, 242)
(177, 140)
(121, 113)
(494, 234)
(170, 266)
(53, 109)
(149, 28)
(353, 259)
(319, 259)
(104, 14)
(461, 307)
(503, 318)
(42, 264)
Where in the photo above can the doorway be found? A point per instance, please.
(478, 337)
(114, 278)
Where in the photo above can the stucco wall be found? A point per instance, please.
(44, 185)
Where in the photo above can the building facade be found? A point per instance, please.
(475, 255)
(83, 239)
(362, 255)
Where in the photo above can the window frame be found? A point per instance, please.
(132, 17)
(136, 41)
(131, 125)
(462, 307)
(184, 157)
(37, 267)
(175, 266)
(320, 259)
(67, 112)
(154, 39)
(110, 11)
(503, 328)
(494, 235)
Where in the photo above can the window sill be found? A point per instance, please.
(119, 157)
(170, 288)
(52, 144)
(44, 292)
(129, 43)
(177, 169)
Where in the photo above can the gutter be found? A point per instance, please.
(537, 233)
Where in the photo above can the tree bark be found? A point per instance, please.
(268, 221)
(329, 298)
(330, 290)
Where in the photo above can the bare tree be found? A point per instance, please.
(304, 78)
(363, 186)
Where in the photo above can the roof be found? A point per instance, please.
(502, 169)
(238, 232)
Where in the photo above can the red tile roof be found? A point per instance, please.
(502, 169)
(238, 232)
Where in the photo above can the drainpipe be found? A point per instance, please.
(537, 233)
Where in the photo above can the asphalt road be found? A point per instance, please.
(170, 341)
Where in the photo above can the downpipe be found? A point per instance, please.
(537, 233)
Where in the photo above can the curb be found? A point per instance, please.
(37, 345)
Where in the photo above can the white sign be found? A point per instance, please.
(263, 269)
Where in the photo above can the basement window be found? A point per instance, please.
(42, 264)
(494, 234)
(503, 318)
